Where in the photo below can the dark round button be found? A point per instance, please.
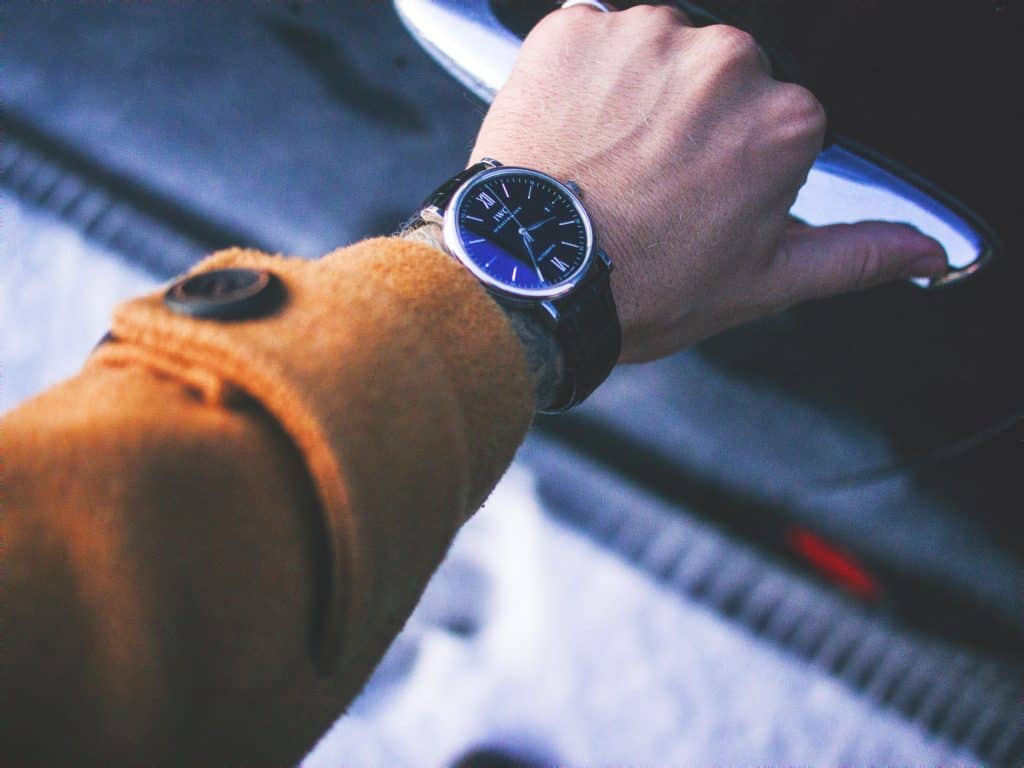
(226, 294)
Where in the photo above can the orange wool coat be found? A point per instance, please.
(213, 532)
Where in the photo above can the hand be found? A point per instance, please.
(690, 156)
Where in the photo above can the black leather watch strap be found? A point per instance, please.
(441, 196)
(590, 336)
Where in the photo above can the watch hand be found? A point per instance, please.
(545, 252)
(529, 250)
(539, 224)
(524, 233)
(526, 242)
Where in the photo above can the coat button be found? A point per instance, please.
(226, 294)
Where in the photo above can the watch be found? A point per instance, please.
(528, 238)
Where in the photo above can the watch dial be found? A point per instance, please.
(522, 231)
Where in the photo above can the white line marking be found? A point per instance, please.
(514, 270)
(474, 242)
(506, 190)
(571, 245)
(474, 218)
(567, 223)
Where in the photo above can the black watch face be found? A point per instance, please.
(521, 232)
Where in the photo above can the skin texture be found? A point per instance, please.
(690, 156)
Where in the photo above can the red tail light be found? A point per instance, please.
(834, 564)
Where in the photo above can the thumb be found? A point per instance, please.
(814, 262)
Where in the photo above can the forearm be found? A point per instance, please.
(220, 526)
(161, 579)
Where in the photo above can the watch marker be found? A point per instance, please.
(566, 223)
(507, 195)
(571, 245)
(474, 218)
(514, 270)
(474, 242)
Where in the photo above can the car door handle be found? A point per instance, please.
(847, 183)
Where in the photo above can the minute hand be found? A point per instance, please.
(529, 250)
(539, 224)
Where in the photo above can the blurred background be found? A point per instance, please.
(797, 543)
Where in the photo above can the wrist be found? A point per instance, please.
(543, 355)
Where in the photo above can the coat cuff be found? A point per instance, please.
(400, 382)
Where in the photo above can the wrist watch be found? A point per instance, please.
(529, 240)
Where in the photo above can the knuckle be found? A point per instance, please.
(543, 33)
(562, 22)
(803, 109)
(553, 30)
(864, 268)
(649, 22)
(652, 14)
(555, 23)
(653, 27)
(731, 43)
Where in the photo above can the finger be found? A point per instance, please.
(814, 262)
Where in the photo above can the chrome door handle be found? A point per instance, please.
(847, 183)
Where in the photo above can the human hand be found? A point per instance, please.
(690, 156)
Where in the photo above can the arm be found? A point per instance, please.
(211, 539)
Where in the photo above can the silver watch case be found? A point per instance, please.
(453, 242)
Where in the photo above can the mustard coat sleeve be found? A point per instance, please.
(213, 532)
